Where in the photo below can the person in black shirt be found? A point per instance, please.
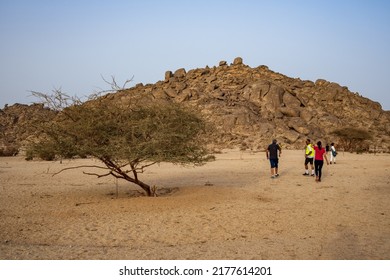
(272, 155)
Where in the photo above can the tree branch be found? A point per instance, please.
(141, 169)
(98, 175)
(77, 167)
(114, 85)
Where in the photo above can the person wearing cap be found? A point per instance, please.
(273, 156)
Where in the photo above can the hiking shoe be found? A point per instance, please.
(277, 175)
(305, 174)
(312, 175)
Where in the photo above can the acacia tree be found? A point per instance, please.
(126, 138)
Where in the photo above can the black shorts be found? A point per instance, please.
(309, 160)
(274, 162)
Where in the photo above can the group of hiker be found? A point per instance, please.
(315, 155)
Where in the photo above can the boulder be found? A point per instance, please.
(291, 136)
(291, 101)
(289, 112)
(237, 61)
(180, 73)
(168, 75)
(298, 125)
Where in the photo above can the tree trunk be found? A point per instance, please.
(145, 187)
(117, 172)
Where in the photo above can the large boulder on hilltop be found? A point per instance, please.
(168, 75)
(180, 73)
(237, 61)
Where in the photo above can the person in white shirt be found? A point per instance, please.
(333, 154)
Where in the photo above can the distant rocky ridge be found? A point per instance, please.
(18, 124)
(248, 107)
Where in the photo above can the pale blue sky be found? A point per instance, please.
(47, 44)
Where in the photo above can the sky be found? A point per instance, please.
(70, 45)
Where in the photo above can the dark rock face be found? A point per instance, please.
(247, 107)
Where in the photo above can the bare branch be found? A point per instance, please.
(114, 85)
(141, 169)
(98, 175)
(77, 167)
(57, 100)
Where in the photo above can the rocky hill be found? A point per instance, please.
(18, 123)
(247, 107)
(251, 106)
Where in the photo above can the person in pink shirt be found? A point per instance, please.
(320, 154)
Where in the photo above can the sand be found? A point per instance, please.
(226, 209)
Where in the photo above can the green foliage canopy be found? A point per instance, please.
(126, 137)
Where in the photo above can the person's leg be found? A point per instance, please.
(276, 167)
(272, 168)
(316, 169)
(312, 167)
(320, 164)
(306, 167)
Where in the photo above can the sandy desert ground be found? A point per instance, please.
(226, 209)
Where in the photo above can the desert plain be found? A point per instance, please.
(228, 209)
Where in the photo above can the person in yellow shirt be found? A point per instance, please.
(309, 158)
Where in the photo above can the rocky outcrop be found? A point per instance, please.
(247, 107)
(18, 123)
(250, 106)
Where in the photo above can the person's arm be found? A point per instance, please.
(326, 158)
(266, 152)
(280, 150)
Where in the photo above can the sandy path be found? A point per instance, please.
(227, 209)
